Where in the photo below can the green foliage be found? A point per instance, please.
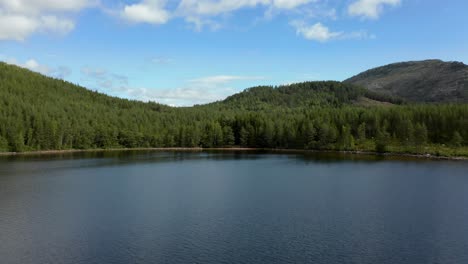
(382, 141)
(420, 134)
(244, 137)
(297, 95)
(212, 136)
(361, 132)
(228, 136)
(41, 113)
(3, 144)
(457, 140)
(346, 140)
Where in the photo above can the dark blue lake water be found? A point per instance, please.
(215, 207)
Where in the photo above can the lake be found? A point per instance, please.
(231, 207)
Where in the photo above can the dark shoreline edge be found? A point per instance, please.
(304, 151)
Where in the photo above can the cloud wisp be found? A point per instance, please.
(370, 8)
(60, 72)
(321, 33)
(194, 91)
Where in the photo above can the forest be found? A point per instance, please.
(42, 113)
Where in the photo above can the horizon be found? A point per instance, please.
(183, 53)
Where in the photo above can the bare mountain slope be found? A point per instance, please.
(418, 81)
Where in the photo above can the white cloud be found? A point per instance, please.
(19, 27)
(290, 4)
(34, 7)
(16, 27)
(370, 8)
(214, 8)
(198, 12)
(148, 11)
(317, 32)
(21, 18)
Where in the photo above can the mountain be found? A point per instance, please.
(418, 81)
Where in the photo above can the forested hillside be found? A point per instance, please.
(301, 95)
(41, 113)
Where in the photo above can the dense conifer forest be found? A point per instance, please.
(41, 113)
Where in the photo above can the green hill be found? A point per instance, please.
(305, 94)
(42, 113)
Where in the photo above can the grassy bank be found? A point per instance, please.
(431, 152)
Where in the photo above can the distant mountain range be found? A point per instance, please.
(418, 81)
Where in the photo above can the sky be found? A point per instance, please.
(185, 52)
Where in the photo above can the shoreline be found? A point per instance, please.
(199, 149)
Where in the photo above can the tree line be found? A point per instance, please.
(41, 113)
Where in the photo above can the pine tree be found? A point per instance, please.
(382, 141)
(228, 136)
(244, 137)
(420, 134)
(3, 144)
(361, 132)
(457, 140)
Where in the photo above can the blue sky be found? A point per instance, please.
(184, 52)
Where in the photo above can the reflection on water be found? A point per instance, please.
(231, 207)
